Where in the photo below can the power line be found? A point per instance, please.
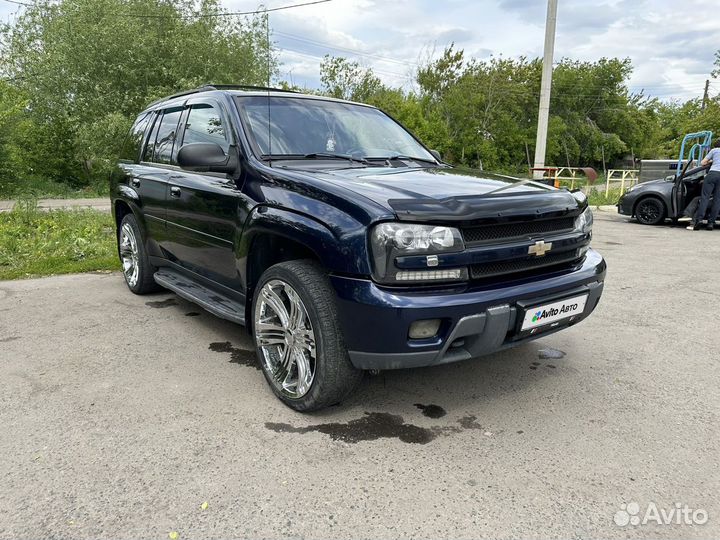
(317, 57)
(345, 49)
(199, 15)
(229, 13)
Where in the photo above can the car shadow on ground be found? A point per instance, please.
(435, 391)
(668, 224)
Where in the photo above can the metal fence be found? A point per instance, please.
(629, 176)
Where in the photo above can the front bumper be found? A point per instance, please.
(476, 320)
(625, 205)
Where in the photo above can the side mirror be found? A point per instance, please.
(436, 155)
(207, 157)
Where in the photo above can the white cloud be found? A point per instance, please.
(671, 43)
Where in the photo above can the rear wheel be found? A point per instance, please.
(297, 337)
(650, 211)
(136, 267)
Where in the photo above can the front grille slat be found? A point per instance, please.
(526, 265)
(500, 232)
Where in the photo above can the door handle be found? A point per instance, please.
(135, 182)
(175, 191)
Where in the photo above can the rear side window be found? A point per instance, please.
(131, 146)
(150, 145)
(204, 125)
(165, 138)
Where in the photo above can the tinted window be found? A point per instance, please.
(204, 125)
(131, 148)
(150, 145)
(165, 138)
(299, 126)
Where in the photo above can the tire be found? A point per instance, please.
(299, 344)
(650, 211)
(137, 270)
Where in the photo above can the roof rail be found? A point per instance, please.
(247, 87)
(211, 87)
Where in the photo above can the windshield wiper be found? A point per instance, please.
(402, 157)
(327, 155)
(314, 155)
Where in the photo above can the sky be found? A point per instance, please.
(671, 43)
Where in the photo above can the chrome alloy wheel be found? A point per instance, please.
(285, 338)
(129, 255)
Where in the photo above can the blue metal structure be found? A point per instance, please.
(697, 150)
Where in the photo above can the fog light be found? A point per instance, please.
(424, 329)
(429, 275)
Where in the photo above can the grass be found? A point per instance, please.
(43, 188)
(598, 198)
(34, 243)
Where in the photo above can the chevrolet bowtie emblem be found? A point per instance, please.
(539, 248)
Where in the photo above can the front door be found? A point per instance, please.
(202, 208)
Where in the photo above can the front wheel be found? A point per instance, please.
(650, 211)
(298, 339)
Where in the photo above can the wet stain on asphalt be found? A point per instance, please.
(243, 357)
(8, 339)
(431, 411)
(469, 422)
(371, 427)
(192, 314)
(550, 354)
(162, 303)
(379, 425)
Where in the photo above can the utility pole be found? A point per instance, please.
(545, 87)
(705, 94)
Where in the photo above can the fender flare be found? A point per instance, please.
(337, 250)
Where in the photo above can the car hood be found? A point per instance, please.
(655, 182)
(451, 194)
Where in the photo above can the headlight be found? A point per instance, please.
(584, 222)
(579, 196)
(632, 188)
(391, 240)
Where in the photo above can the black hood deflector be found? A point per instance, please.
(500, 207)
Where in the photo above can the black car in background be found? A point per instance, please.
(651, 203)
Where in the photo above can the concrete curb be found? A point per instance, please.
(100, 204)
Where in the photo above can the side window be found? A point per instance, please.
(204, 125)
(131, 147)
(165, 138)
(150, 145)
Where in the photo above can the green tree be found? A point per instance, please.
(344, 79)
(87, 65)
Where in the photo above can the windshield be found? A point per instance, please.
(317, 128)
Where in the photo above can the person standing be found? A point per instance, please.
(711, 188)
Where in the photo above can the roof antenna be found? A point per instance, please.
(267, 52)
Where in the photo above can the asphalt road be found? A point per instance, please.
(121, 415)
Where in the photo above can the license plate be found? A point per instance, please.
(554, 312)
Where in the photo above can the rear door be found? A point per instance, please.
(151, 176)
(202, 208)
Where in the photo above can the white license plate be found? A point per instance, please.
(554, 312)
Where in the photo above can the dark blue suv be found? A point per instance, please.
(340, 241)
